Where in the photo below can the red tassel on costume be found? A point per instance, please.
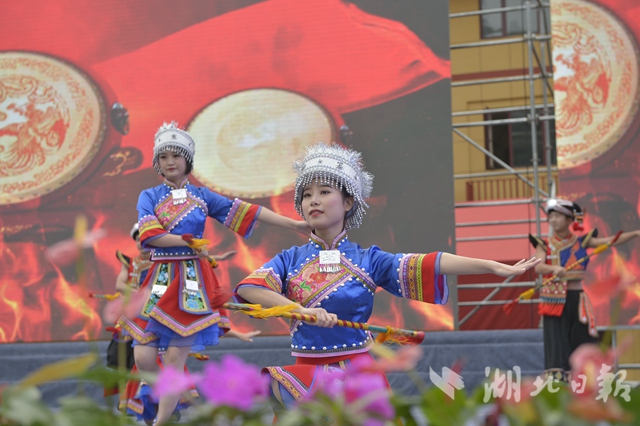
(110, 391)
(549, 309)
(508, 308)
(577, 227)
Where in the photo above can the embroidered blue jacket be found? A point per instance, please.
(348, 293)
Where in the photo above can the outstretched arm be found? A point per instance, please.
(262, 296)
(268, 299)
(272, 218)
(121, 279)
(245, 337)
(450, 264)
(623, 238)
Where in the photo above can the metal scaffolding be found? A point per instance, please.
(541, 58)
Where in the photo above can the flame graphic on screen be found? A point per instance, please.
(37, 302)
(42, 302)
(436, 317)
(627, 294)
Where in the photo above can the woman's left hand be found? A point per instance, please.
(322, 317)
(521, 267)
(248, 337)
(202, 253)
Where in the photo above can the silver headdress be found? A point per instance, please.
(171, 138)
(340, 168)
(566, 207)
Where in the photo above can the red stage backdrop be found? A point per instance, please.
(255, 82)
(595, 59)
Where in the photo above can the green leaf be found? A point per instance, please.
(405, 407)
(23, 406)
(82, 411)
(107, 377)
(440, 410)
(60, 370)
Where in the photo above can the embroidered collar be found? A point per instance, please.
(313, 238)
(171, 185)
(561, 243)
(558, 239)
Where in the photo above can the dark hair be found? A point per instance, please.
(345, 193)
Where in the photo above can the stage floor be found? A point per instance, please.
(475, 350)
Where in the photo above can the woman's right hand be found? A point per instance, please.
(302, 227)
(323, 318)
(560, 271)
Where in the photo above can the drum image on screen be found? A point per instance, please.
(52, 122)
(247, 141)
(595, 63)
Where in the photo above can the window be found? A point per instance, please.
(512, 142)
(502, 24)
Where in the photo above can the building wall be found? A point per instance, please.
(481, 63)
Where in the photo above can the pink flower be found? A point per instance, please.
(370, 389)
(587, 362)
(233, 383)
(404, 359)
(116, 308)
(173, 382)
(362, 365)
(66, 252)
(362, 390)
(329, 382)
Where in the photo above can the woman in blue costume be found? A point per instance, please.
(332, 277)
(132, 274)
(138, 399)
(566, 311)
(178, 316)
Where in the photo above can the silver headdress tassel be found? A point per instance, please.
(340, 168)
(135, 231)
(171, 138)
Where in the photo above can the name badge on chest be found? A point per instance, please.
(158, 290)
(329, 261)
(191, 286)
(179, 196)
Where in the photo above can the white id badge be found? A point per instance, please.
(330, 257)
(179, 193)
(159, 290)
(191, 285)
(179, 196)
